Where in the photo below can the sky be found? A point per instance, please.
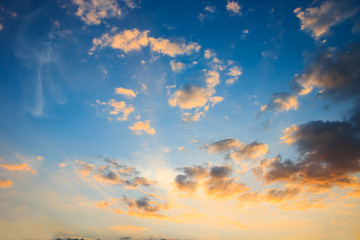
(186, 120)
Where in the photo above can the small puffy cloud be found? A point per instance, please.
(144, 207)
(192, 117)
(116, 110)
(18, 167)
(176, 66)
(181, 148)
(250, 151)
(135, 40)
(125, 92)
(6, 183)
(235, 71)
(244, 34)
(93, 12)
(103, 204)
(140, 127)
(233, 8)
(209, 8)
(334, 72)
(281, 102)
(289, 132)
(190, 97)
(222, 146)
(209, 54)
(319, 19)
(62, 165)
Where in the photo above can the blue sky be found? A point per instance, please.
(161, 119)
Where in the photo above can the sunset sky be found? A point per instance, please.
(187, 120)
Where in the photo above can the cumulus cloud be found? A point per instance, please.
(6, 183)
(144, 207)
(233, 8)
(318, 20)
(222, 146)
(234, 73)
(125, 92)
(135, 40)
(236, 150)
(329, 155)
(197, 98)
(115, 173)
(216, 181)
(94, 12)
(250, 151)
(207, 13)
(140, 127)
(335, 73)
(176, 66)
(281, 102)
(117, 110)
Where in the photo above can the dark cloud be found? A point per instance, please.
(336, 72)
(222, 146)
(188, 181)
(329, 154)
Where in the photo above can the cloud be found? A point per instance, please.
(253, 150)
(116, 110)
(318, 20)
(94, 12)
(127, 229)
(144, 207)
(1, 27)
(176, 66)
(335, 73)
(134, 40)
(207, 13)
(233, 72)
(222, 146)
(216, 181)
(233, 8)
(237, 150)
(188, 181)
(18, 167)
(6, 183)
(197, 98)
(329, 155)
(281, 102)
(103, 204)
(140, 127)
(190, 97)
(114, 173)
(126, 92)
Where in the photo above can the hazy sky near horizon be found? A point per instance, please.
(129, 119)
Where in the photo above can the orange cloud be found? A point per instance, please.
(103, 204)
(140, 127)
(18, 167)
(126, 92)
(6, 183)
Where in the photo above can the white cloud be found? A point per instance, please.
(233, 7)
(176, 66)
(126, 92)
(95, 11)
(319, 19)
(140, 127)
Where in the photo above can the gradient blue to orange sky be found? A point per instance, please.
(161, 119)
